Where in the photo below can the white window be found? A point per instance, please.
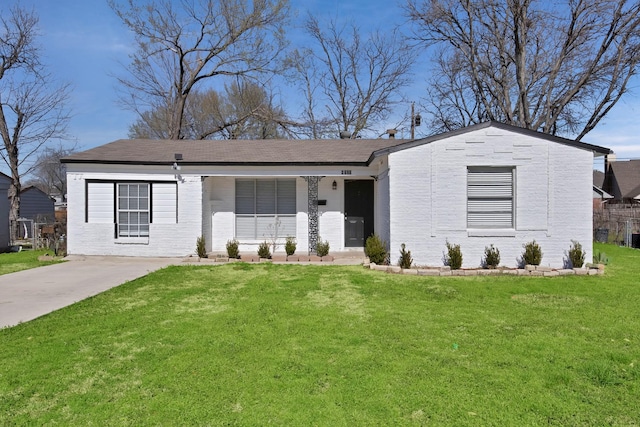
(265, 208)
(490, 197)
(133, 210)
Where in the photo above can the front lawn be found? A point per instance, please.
(262, 344)
(24, 260)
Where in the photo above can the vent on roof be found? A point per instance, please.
(392, 133)
(345, 134)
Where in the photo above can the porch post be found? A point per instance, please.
(312, 208)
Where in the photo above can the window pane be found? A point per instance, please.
(287, 226)
(266, 197)
(245, 203)
(133, 210)
(123, 203)
(245, 227)
(490, 198)
(286, 196)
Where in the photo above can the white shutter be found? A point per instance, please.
(100, 199)
(164, 207)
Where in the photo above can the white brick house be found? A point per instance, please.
(485, 184)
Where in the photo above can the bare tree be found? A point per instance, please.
(181, 44)
(358, 80)
(555, 67)
(49, 174)
(32, 109)
(244, 110)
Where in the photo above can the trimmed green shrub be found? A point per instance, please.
(376, 249)
(405, 260)
(576, 254)
(491, 256)
(600, 258)
(264, 251)
(454, 256)
(201, 247)
(232, 249)
(532, 254)
(290, 245)
(322, 248)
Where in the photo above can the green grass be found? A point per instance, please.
(296, 345)
(16, 261)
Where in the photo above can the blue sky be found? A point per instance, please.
(84, 43)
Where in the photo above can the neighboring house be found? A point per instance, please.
(4, 211)
(37, 205)
(486, 184)
(600, 197)
(622, 180)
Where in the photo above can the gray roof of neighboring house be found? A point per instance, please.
(598, 178)
(278, 152)
(627, 176)
(34, 188)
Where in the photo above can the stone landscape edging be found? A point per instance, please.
(529, 270)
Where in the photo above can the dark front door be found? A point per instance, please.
(358, 212)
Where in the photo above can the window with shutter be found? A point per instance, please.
(490, 197)
(265, 208)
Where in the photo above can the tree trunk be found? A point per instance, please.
(14, 206)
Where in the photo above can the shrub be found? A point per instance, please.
(532, 254)
(454, 256)
(491, 256)
(405, 260)
(263, 250)
(600, 258)
(376, 249)
(232, 249)
(290, 245)
(201, 247)
(576, 254)
(322, 248)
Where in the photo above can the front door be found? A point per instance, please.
(358, 212)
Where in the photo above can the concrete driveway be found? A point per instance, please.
(32, 293)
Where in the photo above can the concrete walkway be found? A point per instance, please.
(32, 293)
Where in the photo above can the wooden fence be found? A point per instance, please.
(619, 224)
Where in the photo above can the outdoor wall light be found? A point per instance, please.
(334, 185)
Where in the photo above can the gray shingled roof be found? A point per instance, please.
(598, 178)
(235, 152)
(278, 152)
(627, 175)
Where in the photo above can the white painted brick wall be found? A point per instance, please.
(428, 197)
(164, 239)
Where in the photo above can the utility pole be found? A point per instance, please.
(415, 121)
